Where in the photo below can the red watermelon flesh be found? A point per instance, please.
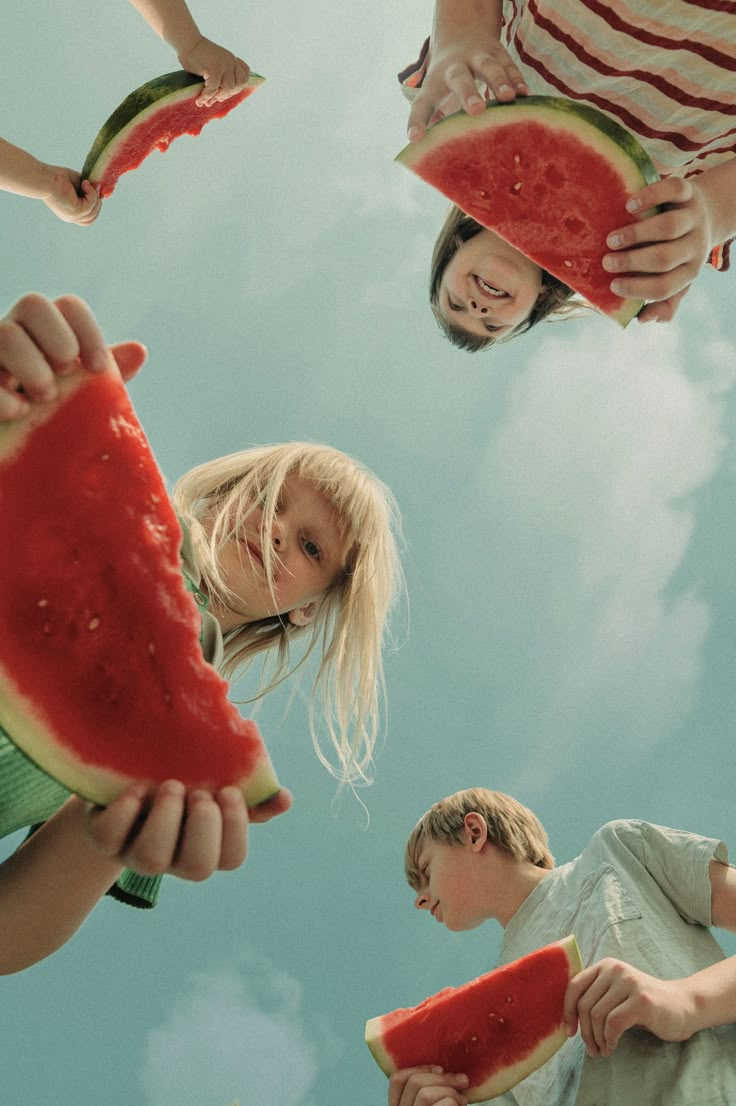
(102, 678)
(549, 176)
(497, 1029)
(149, 119)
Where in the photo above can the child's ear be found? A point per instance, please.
(302, 616)
(476, 829)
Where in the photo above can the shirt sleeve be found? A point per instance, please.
(678, 862)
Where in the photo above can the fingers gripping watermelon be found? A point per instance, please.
(149, 119)
(102, 679)
(497, 1029)
(548, 175)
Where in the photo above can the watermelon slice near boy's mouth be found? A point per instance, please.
(102, 678)
(496, 1029)
(149, 119)
(550, 176)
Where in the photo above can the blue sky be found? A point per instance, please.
(567, 505)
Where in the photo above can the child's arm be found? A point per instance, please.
(464, 46)
(50, 885)
(426, 1086)
(609, 997)
(668, 250)
(224, 73)
(22, 173)
(40, 339)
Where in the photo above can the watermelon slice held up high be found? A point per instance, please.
(548, 175)
(149, 119)
(497, 1029)
(102, 679)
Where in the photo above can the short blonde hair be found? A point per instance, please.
(511, 826)
(351, 623)
(556, 299)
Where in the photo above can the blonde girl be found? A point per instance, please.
(665, 71)
(282, 544)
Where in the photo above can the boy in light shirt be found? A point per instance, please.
(656, 1000)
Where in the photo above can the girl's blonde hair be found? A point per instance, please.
(350, 625)
(555, 300)
(511, 826)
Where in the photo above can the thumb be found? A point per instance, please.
(129, 357)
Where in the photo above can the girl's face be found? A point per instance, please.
(306, 541)
(488, 287)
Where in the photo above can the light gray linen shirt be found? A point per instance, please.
(639, 893)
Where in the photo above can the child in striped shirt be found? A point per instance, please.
(665, 71)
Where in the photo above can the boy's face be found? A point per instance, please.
(456, 885)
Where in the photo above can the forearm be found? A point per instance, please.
(24, 174)
(452, 18)
(712, 995)
(718, 186)
(48, 887)
(172, 21)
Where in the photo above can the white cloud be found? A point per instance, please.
(588, 493)
(237, 1034)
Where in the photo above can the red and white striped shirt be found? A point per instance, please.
(665, 69)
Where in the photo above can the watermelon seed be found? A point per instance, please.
(93, 624)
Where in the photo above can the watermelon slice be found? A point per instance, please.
(102, 679)
(548, 175)
(149, 119)
(497, 1029)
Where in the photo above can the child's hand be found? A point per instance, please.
(449, 83)
(41, 338)
(610, 997)
(223, 73)
(426, 1086)
(186, 834)
(664, 252)
(64, 198)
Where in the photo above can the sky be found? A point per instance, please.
(567, 633)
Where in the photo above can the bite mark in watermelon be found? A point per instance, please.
(497, 1028)
(548, 175)
(102, 678)
(149, 119)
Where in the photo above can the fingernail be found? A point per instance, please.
(633, 204)
(614, 240)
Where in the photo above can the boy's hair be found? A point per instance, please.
(350, 623)
(511, 826)
(556, 298)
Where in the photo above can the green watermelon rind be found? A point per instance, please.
(25, 722)
(609, 138)
(170, 88)
(501, 1081)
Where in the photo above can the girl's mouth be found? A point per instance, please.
(488, 289)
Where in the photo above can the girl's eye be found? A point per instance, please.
(312, 549)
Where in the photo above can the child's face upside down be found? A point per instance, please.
(488, 287)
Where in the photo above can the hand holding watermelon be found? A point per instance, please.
(224, 74)
(41, 339)
(461, 53)
(665, 251)
(169, 830)
(436, 1087)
